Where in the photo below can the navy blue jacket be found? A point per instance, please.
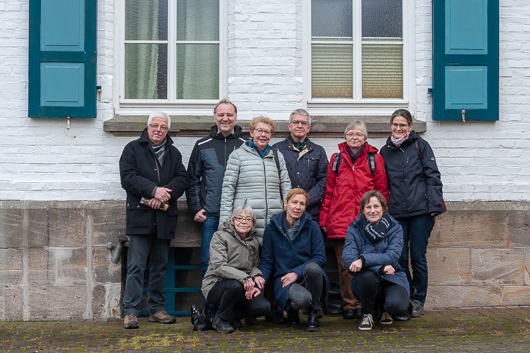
(140, 173)
(206, 169)
(309, 172)
(415, 184)
(384, 252)
(280, 255)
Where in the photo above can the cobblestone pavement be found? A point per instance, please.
(505, 329)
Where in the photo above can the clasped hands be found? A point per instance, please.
(162, 195)
(357, 266)
(253, 287)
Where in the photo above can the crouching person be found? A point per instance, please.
(293, 255)
(230, 281)
(371, 251)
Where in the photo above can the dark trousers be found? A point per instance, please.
(308, 292)
(416, 233)
(140, 248)
(378, 295)
(228, 298)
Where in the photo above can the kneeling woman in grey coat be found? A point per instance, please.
(373, 245)
(229, 283)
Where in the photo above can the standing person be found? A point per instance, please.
(206, 169)
(306, 161)
(229, 282)
(415, 198)
(154, 177)
(372, 249)
(256, 174)
(293, 256)
(356, 169)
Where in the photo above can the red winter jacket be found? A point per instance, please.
(344, 190)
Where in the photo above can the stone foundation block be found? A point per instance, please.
(515, 295)
(11, 226)
(70, 265)
(13, 303)
(104, 270)
(11, 266)
(497, 266)
(41, 266)
(58, 302)
(449, 266)
(461, 296)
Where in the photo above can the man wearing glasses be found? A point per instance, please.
(306, 161)
(154, 177)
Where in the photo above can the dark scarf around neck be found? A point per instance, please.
(375, 232)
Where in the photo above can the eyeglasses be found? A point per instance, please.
(374, 207)
(244, 219)
(297, 122)
(352, 134)
(156, 127)
(401, 126)
(263, 132)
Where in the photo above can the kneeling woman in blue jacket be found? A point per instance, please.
(293, 255)
(371, 251)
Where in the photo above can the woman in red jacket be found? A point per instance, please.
(356, 169)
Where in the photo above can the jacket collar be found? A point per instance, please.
(238, 132)
(145, 138)
(290, 146)
(228, 226)
(412, 137)
(277, 220)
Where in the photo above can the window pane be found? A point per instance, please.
(145, 71)
(198, 20)
(382, 71)
(331, 71)
(146, 20)
(197, 71)
(382, 19)
(331, 18)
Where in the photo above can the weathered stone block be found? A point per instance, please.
(98, 301)
(518, 223)
(66, 227)
(41, 266)
(104, 270)
(13, 303)
(38, 227)
(114, 300)
(58, 302)
(11, 266)
(497, 266)
(70, 265)
(463, 226)
(11, 225)
(516, 295)
(108, 222)
(461, 296)
(449, 266)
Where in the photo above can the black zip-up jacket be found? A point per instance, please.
(415, 184)
(308, 172)
(140, 173)
(206, 169)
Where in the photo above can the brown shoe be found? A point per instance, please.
(130, 321)
(162, 317)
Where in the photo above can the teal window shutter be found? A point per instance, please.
(62, 59)
(465, 60)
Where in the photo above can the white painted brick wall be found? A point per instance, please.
(41, 160)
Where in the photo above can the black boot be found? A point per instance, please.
(293, 317)
(312, 321)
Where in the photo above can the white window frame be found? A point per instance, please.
(124, 106)
(361, 106)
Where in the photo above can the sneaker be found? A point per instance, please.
(367, 323)
(417, 309)
(386, 319)
(221, 326)
(130, 321)
(162, 317)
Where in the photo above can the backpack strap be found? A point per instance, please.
(371, 162)
(336, 164)
(417, 148)
(277, 160)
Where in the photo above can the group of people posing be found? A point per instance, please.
(265, 211)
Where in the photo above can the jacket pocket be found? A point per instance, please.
(311, 164)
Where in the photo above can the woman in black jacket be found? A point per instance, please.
(415, 198)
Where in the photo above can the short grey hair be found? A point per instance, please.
(300, 112)
(161, 115)
(357, 125)
(247, 210)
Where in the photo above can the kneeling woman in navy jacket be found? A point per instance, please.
(371, 251)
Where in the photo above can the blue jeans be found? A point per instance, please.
(416, 233)
(208, 228)
(140, 247)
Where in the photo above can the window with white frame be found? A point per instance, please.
(357, 51)
(170, 51)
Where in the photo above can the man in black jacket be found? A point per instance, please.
(206, 169)
(154, 177)
(306, 161)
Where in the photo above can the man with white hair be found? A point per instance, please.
(154, 177)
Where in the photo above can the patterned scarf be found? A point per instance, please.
(290, 230)
(354, 156)
(375, 232)
(160, 152)
(261, 153)
(399, 141)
